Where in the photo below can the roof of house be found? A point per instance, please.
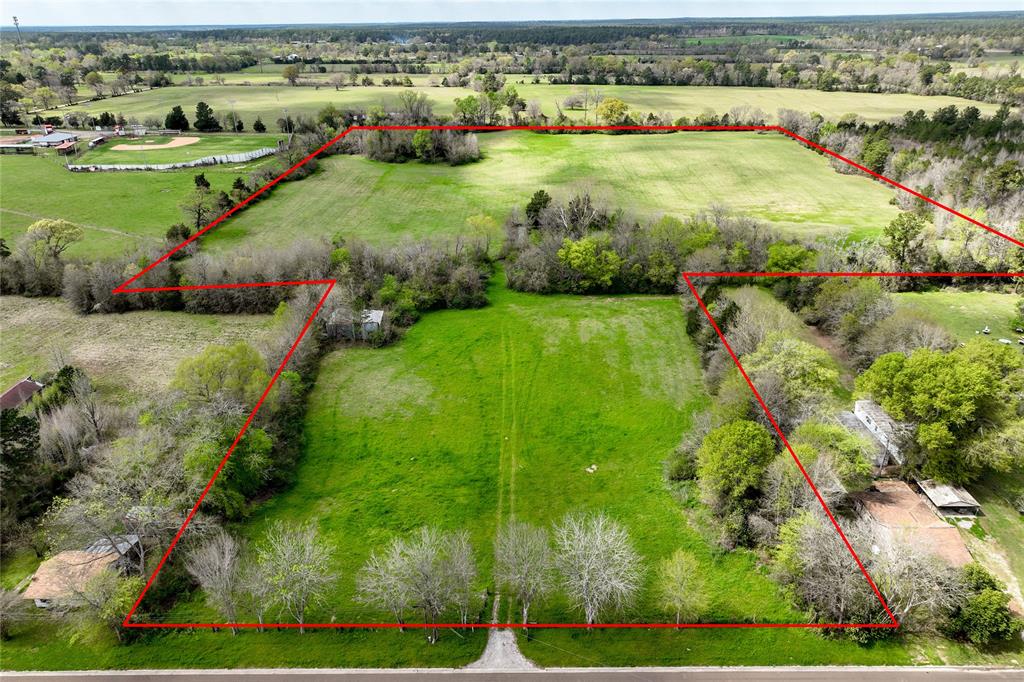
(55, 137)
(18, 394)
(67, 145)
(945, 495)
(896, 507)
(856, 426)
(66, 574)
(878, 415)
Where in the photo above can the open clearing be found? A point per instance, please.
(177, 149)
(131, 352)
(963, 313)
(269, 102)
(767, 176)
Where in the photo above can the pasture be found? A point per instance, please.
(963, 313)
(110, 347)
(767, 176)
(270, 101)
(120, 212)
(208, 145)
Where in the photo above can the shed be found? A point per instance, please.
(886, 430)
(67, 147)
(900, 515)
(950, 500)
(60, 580)
(53, 139)
(19, 394)
(879, 455)
(343, 324)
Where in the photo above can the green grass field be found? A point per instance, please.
(963, 313)
(208, 145)
(767, 176)
(269, 102)
(120, 212)
(109, 347)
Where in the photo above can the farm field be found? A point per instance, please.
(110, 347)
(963, 313)
(208, 145)
(120, 212)
(767, 176)
(269, 102)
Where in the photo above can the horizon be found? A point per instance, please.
(461, 12)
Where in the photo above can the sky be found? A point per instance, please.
(234, 12)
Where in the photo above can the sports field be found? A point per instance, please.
(764, 175)
(208, 145)
(270, 102)
(120, 212)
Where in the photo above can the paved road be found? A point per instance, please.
(832, 674)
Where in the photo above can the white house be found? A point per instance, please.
(891, 434)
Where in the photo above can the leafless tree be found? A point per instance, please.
(429, 576)
(598, 565)
(297, 562)
(462, 573)
(257, 589)
(12, 610)
(385, 580)
(215, 566)
(523, 564)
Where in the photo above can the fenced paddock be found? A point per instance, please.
(240, 157)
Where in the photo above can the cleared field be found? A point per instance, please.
(767, 176)
(963, 313)
(126, 353)
(208, 145)
(118, 211)
(270, 102)
(476, 416)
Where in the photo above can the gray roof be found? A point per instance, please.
(55, 137)
(946, 495)
(372, 316)
(103, 545)
(880, 417)
(856, 426)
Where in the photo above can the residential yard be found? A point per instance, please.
(125, 353)
(269, 102)
(964, 313)
(211, 144)
(764, 175)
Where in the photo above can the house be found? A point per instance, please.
(901, 516)
(60, 580)
(879, 456)
(53, 139)
(342, 324)
(69, 147)
(949, 500)
(19, 394)
(891, 434)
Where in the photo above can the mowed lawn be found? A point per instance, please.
(208, 145)
(126, 353)
(270, 102)
(963, 313)
(120, 212)
(764, 175)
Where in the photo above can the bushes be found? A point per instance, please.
(983, 616)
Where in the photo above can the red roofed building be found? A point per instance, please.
(19, 394)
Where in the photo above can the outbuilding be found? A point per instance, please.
(949, 500)
(891, 434)
(60, 581)
(53, 139)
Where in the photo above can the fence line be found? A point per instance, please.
(205, 161)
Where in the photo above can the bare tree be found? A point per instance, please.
(214, 565)
(523, 563)
(462, 573)
(599, 567)
(429, 576)
(385, 582)
(298, 564)
(257, 590)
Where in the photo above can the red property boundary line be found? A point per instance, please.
(328, 284)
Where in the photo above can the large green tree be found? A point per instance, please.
(732, 459)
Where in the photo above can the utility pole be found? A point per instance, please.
(16, 26)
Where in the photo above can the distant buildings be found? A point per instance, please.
(54, 139)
